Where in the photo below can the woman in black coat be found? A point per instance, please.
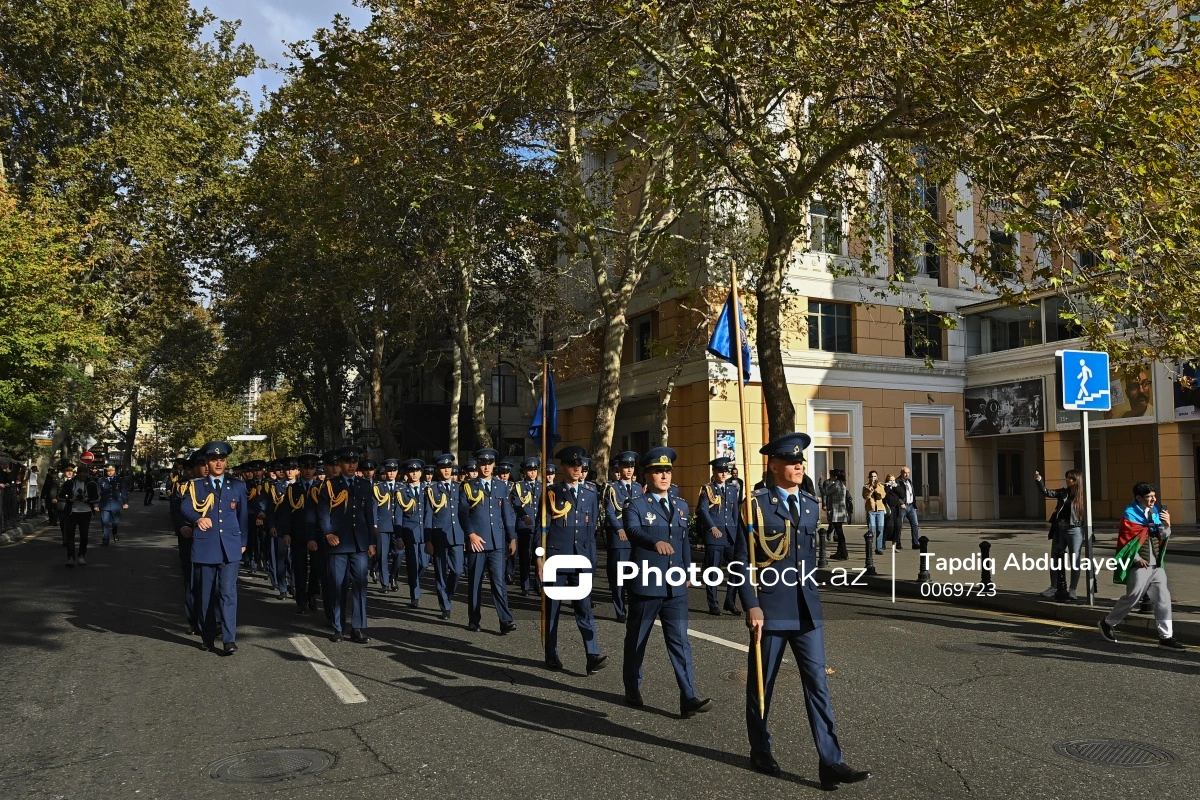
(893, 498)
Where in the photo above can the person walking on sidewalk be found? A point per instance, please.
(77, 497)
(835, 499)
(1067, 523)
(1143, 526)
(873, 504)
(908, 505)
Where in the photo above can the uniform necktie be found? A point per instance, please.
(487, 488)
(666, 506)
(794, 508)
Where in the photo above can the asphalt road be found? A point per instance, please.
(104, 696)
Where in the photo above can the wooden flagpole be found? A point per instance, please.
(545, 475)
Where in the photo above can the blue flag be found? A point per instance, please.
(722, 343)
(546, 413)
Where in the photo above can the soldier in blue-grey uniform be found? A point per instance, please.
(657, 523)
(197, 467)
(346, 512)
(114, 496)
(526, 497)
(717, 511)
(503, 473)
(488, 521)
(217, 510)
(386, 512)
(301, 533)
(443, 531)
(619, 492)
(572, 506)
(287, 501)
(783, 609)
(410, 524)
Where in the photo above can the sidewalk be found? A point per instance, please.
(1015, 544)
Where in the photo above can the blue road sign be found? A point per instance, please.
(1084, 380)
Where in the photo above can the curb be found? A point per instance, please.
(17, 533)
(1032, 605)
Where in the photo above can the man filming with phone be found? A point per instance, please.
(1141, 543)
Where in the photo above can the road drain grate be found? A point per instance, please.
(269, 766)
(1115, 753)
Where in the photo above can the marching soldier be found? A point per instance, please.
(572, 507)
(444, 532)
(526, 499)
(783, 613)
(114, 496)
(470, 470)
(301, 534)
(657, 522)
(617, 495)
(717, 510)
(216, 509)
(254, 552)
(426, 476)
(503, 475)
(287, 499)
(346, 512)
(197, 467)
(487, 519)
(410, 512)
(385, 510)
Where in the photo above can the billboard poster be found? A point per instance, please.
(1003, 408)
(726, 445)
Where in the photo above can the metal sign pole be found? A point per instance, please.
(1087, 506)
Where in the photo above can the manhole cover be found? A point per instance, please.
(784, 675)
(268, 766)
(1115, 753)
(971, 648)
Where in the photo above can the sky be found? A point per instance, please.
(267, 24)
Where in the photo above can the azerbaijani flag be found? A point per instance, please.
(1131, 536)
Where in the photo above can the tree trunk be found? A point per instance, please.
(381, 407)
(474, 377)
(664, 406)
(131, 435)
(455, 399)
(608, 394)
(781, 413)
(335, 408)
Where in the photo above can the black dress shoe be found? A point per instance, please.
(716, 612)
(833, 774)
(337, 636)
(445, 615)
(732, 610)
(554, 663)
(312, 605)
(191, 631)
(358, 637)
(596, 663)
(303, 610)
(414, 603)
(621, 618)
(691, 706)
(229, 648)
(473, 627)
(283, 596)
(764, 762)
(507, 628)
(208, 646)
(634, 699)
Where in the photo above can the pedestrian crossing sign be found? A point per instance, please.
(1083, 380)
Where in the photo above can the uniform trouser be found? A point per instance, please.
(305, 577)
(719, 556)
(491, 562)
(620, 594)
(346, 574)
(76, 520)
(672, 613)
(1140, 582)
(215, 590)
(185, 566)
(415, 562)
(280, 562)
(584, 619)
(110, 521)
(526, 542)
(251, 556)
(447, 569)
(809, 650)
(382, 563)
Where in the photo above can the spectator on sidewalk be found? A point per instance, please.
(873, 494)
(1066, 529)
(835, 499)
(50, 496)
(1143, 526)
(31, 492)
(892, 499)
(908, 504)
(77, 497)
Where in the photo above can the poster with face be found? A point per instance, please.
(726, 445)
(1132, 392)
(1186, 391)
(1017, 407)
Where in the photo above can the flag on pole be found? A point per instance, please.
(546, 413)
(722, 343)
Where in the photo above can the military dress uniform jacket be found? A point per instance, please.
(646, 524)
(409, 503)
(487, 513)
(616, 499)
(290, 509)
(572, 514)
(440, 511)
(113, 493)
(230, 532)
(788, 602)
(717, 508)
(385, 506)
(348, 513)
(526, 498)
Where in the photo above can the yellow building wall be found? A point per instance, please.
(1177, 472)
(1131, 457)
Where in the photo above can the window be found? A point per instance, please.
(504, 386)
(824, 229)
(912, 253)
(643, 338)
(1001, 253)
(922, 335)
(1086, 260)
(1057, 328)
(829, 326)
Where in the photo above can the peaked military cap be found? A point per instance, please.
(572, 456)
(486, 456)
(348, 455)
(329, 457)
(626, 459)
(445, 460)
(427, 469)
(180, 462)
(309, 460)
(503, 467)
(217, 450)
(551, 469)
(659, 457)
(196, 458)
(368, 464)
(471, 464)
(290, 463)
(456, 470)
(321, 470)
(413, 464)
(789, 447)
(531, 463)
(391, 465)
(720, 464)
(275, 465)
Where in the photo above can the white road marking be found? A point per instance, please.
(708, 637)
(333, 677)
